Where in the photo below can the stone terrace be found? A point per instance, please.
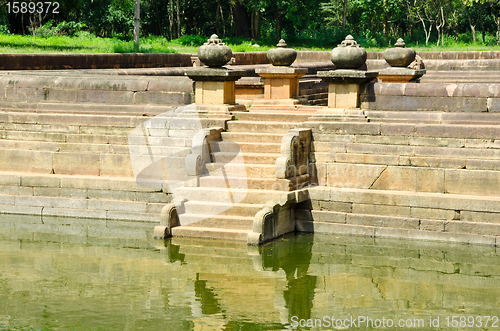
(423, 163)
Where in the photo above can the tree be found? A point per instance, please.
(137, 15)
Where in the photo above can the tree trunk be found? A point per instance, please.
(384, 20)
(255, 25)
(171, 19)
(344, 15)
(217, 18)
(137, 15)
(178, 20)
(241, 20)
(472, 26)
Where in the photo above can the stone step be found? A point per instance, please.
(217, 221)
(248, 137)
(87, 108)
(253, 183)
(271, 117)
(406, 199)
(439, 117)
(252, 170)
(77, 206)
(74, 183)
(413, 161)
(214, 208)
(255, 158)
(478, 236)
(98, 138)
(215, 194)
(250, 147)
(447, 152)
(59, 212)
(255, 126)
(68, 119)
(210, 233)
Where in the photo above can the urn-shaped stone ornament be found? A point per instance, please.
(399, 56)
(281, 56)
(214, 53)
(348, 55)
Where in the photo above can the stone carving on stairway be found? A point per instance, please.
(200, 154)
(294, 162)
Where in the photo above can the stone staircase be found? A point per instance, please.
(72, 165)
(241, 179)
(433, 180)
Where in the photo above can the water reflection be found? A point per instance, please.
(114, 284)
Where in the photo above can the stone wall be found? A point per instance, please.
(445, 97)
(433, 60)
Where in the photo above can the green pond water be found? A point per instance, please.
(54, 281)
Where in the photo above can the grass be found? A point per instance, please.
(87, 43)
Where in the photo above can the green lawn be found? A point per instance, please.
(87, 43)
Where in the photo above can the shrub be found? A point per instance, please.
(4, 29)
(47, 30)
(70, 28)
(192, 40)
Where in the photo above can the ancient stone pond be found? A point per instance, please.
(64, 282)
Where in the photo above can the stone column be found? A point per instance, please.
(214, 86)
(281, 81)
(344, 82)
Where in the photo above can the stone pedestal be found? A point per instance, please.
(281, 82)
(214, 88)
(343, 88)
(400, 75)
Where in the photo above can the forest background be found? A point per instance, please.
(183, 25)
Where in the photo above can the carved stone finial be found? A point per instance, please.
(348, 54)
(282, 43)
(281, 56)
(214, 53)
(399, 56)
(400, 43)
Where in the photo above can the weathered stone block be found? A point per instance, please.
(432, 225)
(383, 221)
(162, 98)
(397, 178)
(367, 158)
(457, 131)
(115, 165)
(437, 142)
(336, 228)
(473, 182)
(369, 209)
(26, 161)
(433, 214)
(343, 207)
(482, 217)
(56, 202)
(139, 207)
(353, 175)
(328, 216)
(343, 95)
(344, 128)
(76, 163)
(32, 180)
(474, 228)
(397, 129)
(483, 164)
(430, 180)
(434, 162)
(382, 139)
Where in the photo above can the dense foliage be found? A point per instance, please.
(309, 23)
